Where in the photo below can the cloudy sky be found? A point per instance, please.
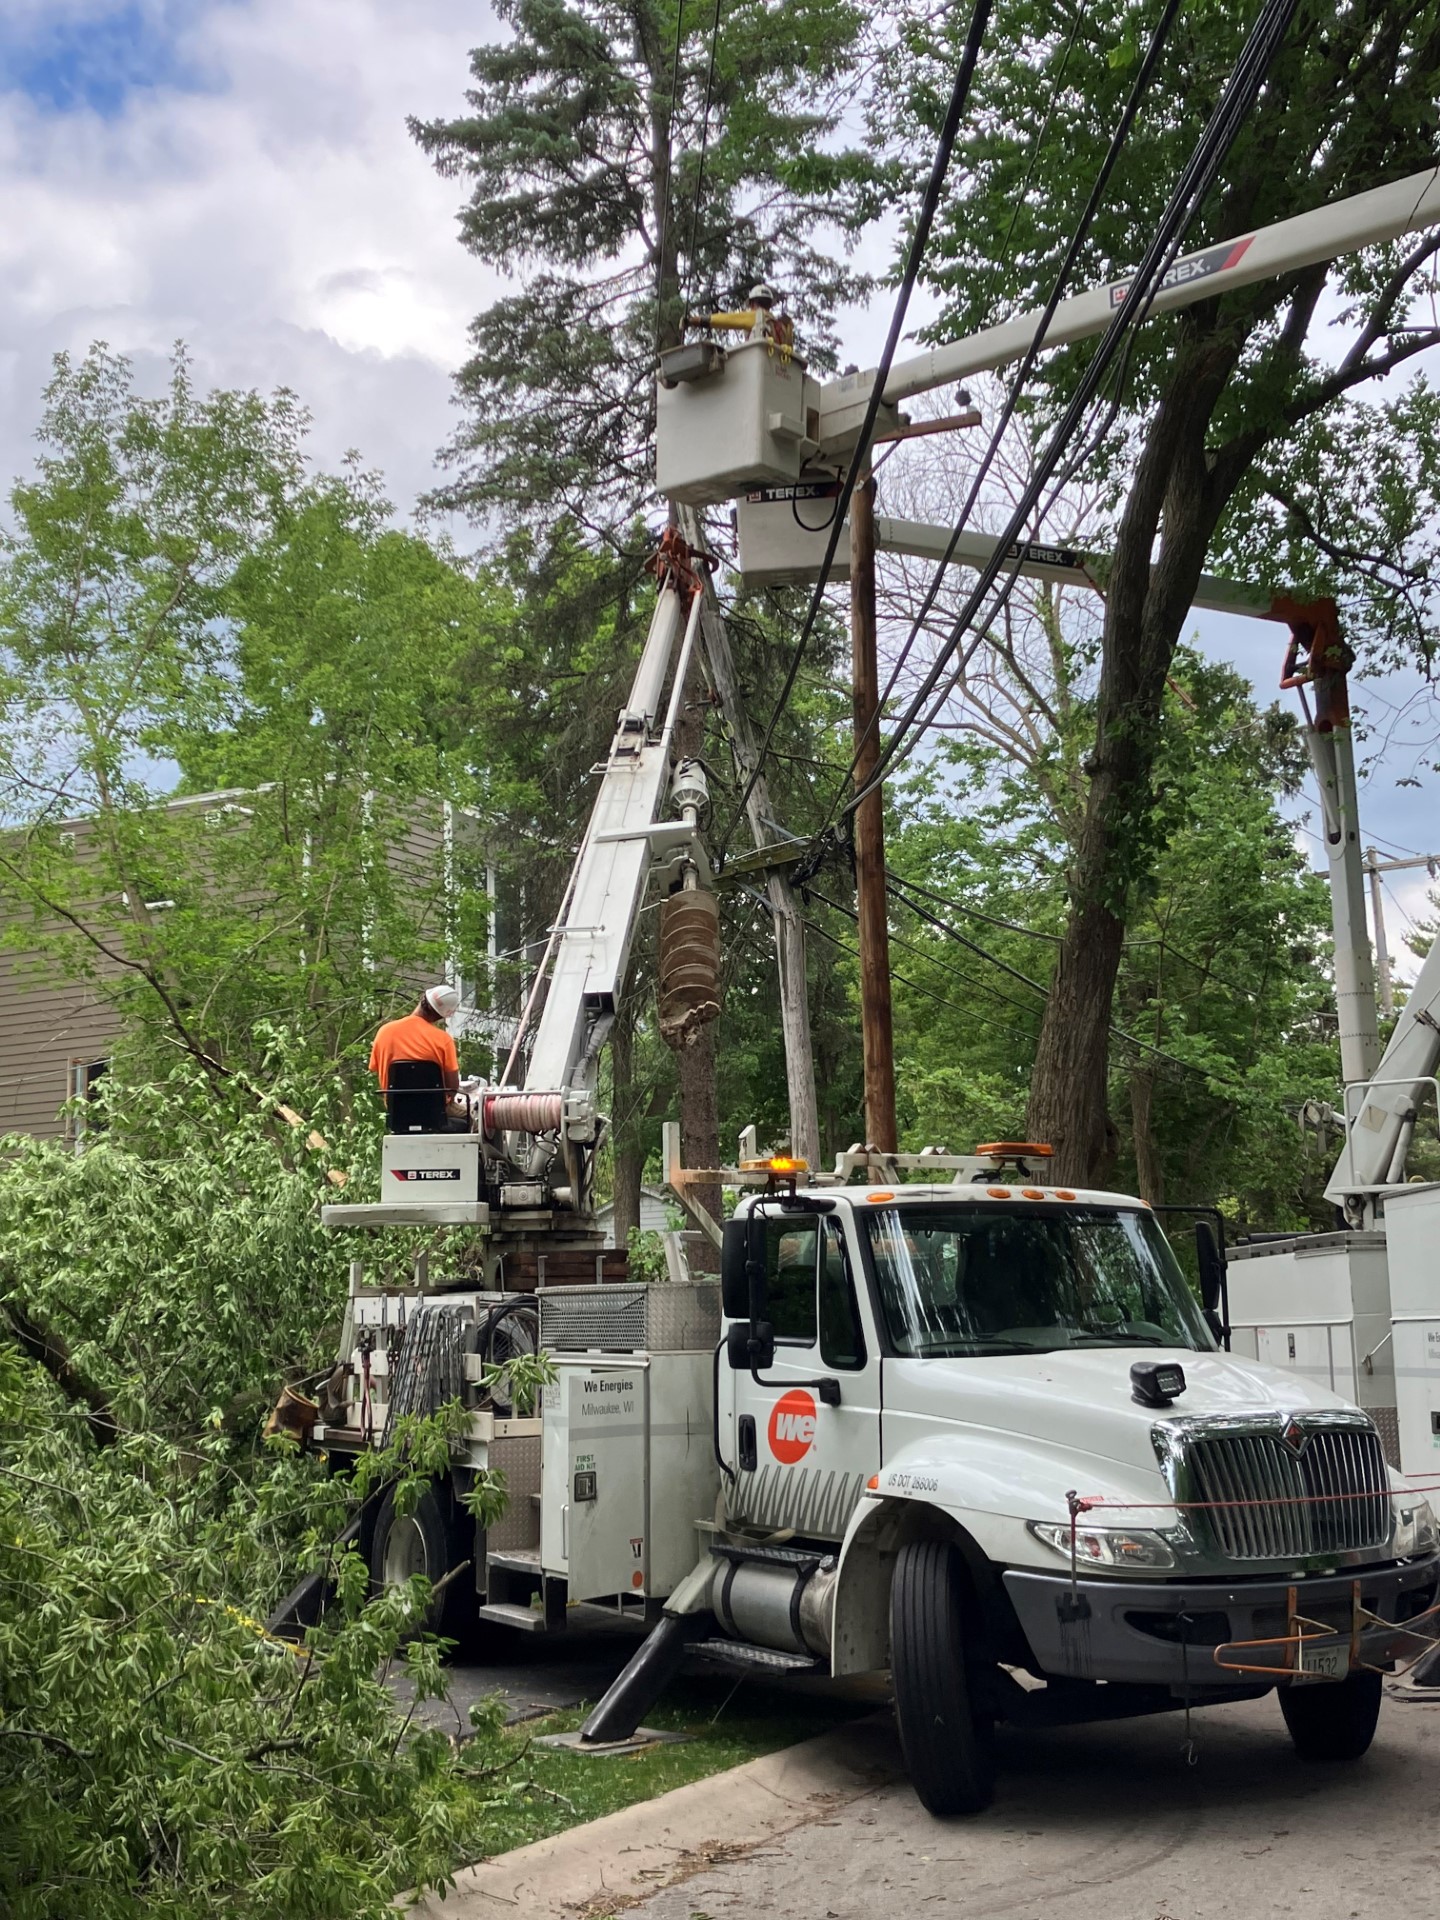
(237, 174)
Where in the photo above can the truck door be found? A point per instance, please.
(797, 1461)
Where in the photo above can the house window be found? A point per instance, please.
(82, 1078)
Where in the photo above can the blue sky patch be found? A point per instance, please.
(74, 59)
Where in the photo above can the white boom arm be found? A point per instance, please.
(1382, 1117)
(729, 420)
(1364, 220)
(607, 889)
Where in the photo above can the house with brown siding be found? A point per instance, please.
(57, 1033)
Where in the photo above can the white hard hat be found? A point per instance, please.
(443, 1000)
(763, 295)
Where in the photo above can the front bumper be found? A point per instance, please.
(1169, 1632)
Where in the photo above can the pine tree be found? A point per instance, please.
(617, 176)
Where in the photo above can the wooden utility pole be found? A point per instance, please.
(875, 1020)
(784, 909)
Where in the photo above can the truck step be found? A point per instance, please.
(738, 1653)
(515, 1559)
(806, 1558)
(502, 1614)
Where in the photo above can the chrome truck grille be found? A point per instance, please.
(1286, 1492)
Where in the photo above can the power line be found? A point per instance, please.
(1132, 1039)
(968, 979)
(893, 888)
(925, 219)
(1027, 363)
(1196, 179)
(704, 133)
(914, 985)
(974, 913)
(1204, 967)
(663, 223)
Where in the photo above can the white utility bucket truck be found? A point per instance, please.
(941, 1416)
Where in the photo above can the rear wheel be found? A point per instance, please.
(432, 1539)
(949, 1744)
(1332, 1721)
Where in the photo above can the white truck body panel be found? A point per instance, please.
(1412, 1231)
(593, 1475)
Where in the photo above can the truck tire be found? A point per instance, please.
(432, 1539)
(949, 1747)
(1332, 1721)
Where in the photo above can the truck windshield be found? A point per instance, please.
(981, 1279)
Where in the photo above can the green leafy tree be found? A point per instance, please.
(176, 590)
(617, 172)
(1239, 432)
(160, 1754)
(1223, 1026)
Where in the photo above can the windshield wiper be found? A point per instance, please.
(975, 1343)
(1118, 1339)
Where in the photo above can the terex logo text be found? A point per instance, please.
(792, 1426)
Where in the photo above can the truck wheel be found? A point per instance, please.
(431, 1539)
(949, 1747)
(1334, 1721)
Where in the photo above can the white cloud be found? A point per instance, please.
(281, 221)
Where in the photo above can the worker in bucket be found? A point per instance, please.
(406, 1054)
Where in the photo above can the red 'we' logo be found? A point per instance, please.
(792, 1426)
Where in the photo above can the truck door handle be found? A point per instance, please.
(749, 1457)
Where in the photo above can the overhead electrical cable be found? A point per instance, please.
(893, 888)
(1032, 353)
(954, 973)
(914, 985)
(974, 913)
(1190, 192)
(704, 136)
(1131, 1039)
(663, 219)
(968, 912)
(919, 240)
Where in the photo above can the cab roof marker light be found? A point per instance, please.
(998, 1193)
(1063, 1193)
(876, 1198)
(1031, 1193)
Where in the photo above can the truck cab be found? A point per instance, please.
(983, 1434)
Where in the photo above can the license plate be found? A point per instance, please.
(1330, 1662)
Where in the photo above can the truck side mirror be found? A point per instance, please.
(1212, 1278)
(734, 1286)
(750, 1345)
(1212, 1266)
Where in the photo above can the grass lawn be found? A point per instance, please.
(545, 1791)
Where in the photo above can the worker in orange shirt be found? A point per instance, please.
(423, 1035)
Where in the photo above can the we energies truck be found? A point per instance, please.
(976, 1431)
(967, 1426)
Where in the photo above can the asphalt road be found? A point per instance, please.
(1121, 1822)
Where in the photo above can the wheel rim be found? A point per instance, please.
(404, 1552)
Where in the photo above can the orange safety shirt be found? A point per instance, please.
(413, 1038)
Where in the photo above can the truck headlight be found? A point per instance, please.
(1416, 1530)
(1107, 1549)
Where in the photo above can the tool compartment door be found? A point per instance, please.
(595, 1477)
